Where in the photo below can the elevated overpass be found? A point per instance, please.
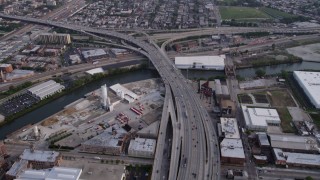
(194, 153)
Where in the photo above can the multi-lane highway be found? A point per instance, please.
(198, 141)
(195, 153)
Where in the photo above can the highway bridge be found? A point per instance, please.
(194, 135)
(195, 153)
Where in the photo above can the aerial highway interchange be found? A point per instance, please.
(195, 152)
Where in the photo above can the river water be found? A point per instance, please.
(58, 104)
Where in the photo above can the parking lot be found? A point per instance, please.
(17, 104)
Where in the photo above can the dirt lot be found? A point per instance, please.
(280, 98)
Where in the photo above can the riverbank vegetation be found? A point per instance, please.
(15, 89)
(267, 60)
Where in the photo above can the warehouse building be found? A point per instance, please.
(16, 169)
(294, 143)
(54, 38)
(310, 83)
(201, 62)
(232, 151)
(45, 89)
(258, 119)
(124, 93)
(296, 159)
(94, 54)
(141, 147)
(108, 142)
(54, 173)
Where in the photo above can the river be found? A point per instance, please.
(58, 104)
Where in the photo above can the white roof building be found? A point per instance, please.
(232, 148)
(201, 62)
(93, 53)
(95, 71)
(141, 147)
(121, 90)
(46, 89)
(229, 127)
(56, 173)
(260, 118)
(310, 83)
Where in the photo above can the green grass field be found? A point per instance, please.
(286, 120)
(239, 13)
(276, 13)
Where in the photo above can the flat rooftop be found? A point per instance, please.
(56, 173)
(17, 167)
(260, 117)
(108, 138)
(229, 127)
(37, 155)
(142, 144)
(119, 88)
(293, 142)
(232, 148)
(93, 53)
(310, 83)
(206, 60)
(263, 139)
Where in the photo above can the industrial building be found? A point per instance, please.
(258, 119)
(294, 143)
(41, 159)
(263, 140)
(7, 68)
(124, 93)
(229, 128)
(54, 173)
(16, 169)
(119, 52)
(232, 151)
(18, 74)
(94, 54)
(141, 147)
(296, 159)
(310, 83)
(201, 62)
(108, 142)
(54, 38)
(45, 89)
